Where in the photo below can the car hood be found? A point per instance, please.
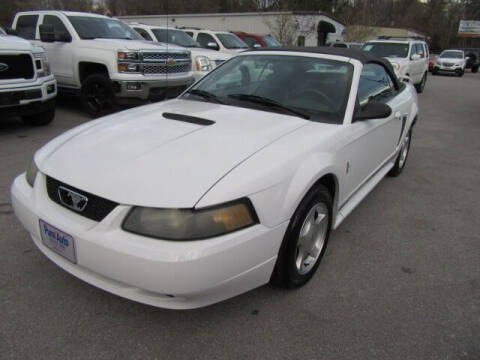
(8, 42)
(451, 60)
(138, 157)
(130, 45)
(397, 60)
(211, 54)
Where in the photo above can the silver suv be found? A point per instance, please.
(408, 56)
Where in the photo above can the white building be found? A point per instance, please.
(299, 28)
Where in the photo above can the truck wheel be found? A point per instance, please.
(474, 69)
(421, 86)
(40, 119)
(98, 96)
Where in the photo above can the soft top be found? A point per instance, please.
(362, 56)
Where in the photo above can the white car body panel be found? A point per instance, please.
(138, 158)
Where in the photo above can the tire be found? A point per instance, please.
(434, 71)
(474, 69)
(293, 270)
(402, 156)
(97, 95)
(40, 119)
(421, 86)
(459, 72)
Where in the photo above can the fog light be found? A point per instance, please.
(50, 88)
(134, 86)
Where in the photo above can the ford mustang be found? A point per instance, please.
(236, 183)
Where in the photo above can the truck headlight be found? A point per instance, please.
(127, 55)
(31, 173)
(203, 63)
(128, 68)
(191, 224)
(42, 66)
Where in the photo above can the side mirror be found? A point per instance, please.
(373, 111)
(11, 31)
(47, 33)
(63, 37)
(416, 57)
(467, 58)
(212, 45)
(405, 78)
(257, 45)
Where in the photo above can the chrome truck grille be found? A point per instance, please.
(171, 62)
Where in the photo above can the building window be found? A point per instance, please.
(301, 40)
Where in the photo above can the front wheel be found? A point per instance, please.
(98, 96)
(305, 240)
(402, 156)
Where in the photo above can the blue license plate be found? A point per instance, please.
(58, 241)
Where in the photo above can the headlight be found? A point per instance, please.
(122, 55)
(191, 224)
(31, 173)
(128, 67)
(203, 63)
(41, 64)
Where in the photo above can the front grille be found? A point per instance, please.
(16, 67)
(150, 69)
(168, 62)
(14, 97)
(96, 209)
(148, 56)
(447, 64)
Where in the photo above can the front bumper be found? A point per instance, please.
(139, 88)
(169, 274)
(32, 95)
(447, 69)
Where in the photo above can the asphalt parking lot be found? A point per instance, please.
(400, 279)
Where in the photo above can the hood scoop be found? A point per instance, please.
(188, 119)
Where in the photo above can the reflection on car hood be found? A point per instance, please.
(138, 157)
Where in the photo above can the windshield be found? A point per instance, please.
(451, 55)
(176, 37)
(231, 41)
(317, 87)
(89, 27)
(270, 41)
(387, 49)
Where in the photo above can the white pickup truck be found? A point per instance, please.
(27, 87)
(105, 61)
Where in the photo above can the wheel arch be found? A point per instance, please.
(87, 68)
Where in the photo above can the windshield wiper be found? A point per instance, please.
(206, 95)
(269, 102)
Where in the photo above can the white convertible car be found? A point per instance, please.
(236, 183)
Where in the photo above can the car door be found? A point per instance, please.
(374, 142)
(417, 65)
(60, 52)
